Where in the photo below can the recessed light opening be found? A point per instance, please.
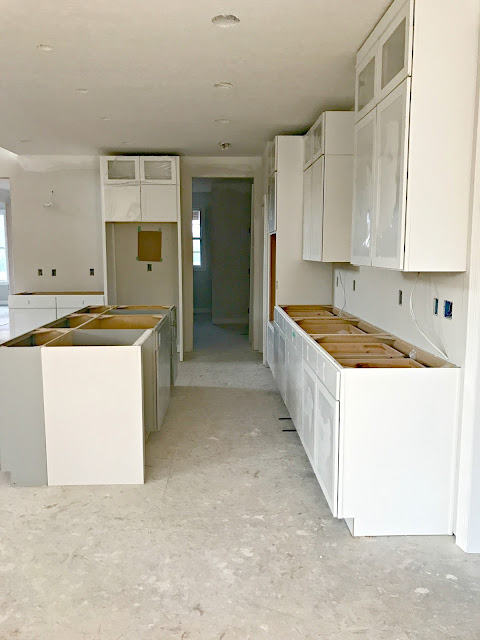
(223, 85)
(224, 145)
(44, 47)
(225, 21)
(222, 121)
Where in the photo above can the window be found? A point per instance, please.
(198, 257)
(3, 247)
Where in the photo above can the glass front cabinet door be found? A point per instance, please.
(364, 190)
(391, 178)
(395, 52)
(121, 170)
(158, 170)
(366, 84)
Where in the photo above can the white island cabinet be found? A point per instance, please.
(413, 151)
(379, 427)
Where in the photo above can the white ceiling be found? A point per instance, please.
(150, 66)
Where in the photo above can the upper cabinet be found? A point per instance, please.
(327, 188)
(140, 188)
(413, 151)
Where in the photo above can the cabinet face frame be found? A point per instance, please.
(114, 181)
(402, 92)
(406, 13)
(371, 55)
(317, 209)
(173, 167)
(307, 149)
(369, 119)
(307, 213)
(320, 124)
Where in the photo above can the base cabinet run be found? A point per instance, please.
(379, 430)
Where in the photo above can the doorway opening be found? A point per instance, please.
(221, 225)
(4, 259)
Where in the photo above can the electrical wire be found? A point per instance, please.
(412, 313)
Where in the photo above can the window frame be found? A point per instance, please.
(202, 238)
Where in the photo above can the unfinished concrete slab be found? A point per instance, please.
(231, 537)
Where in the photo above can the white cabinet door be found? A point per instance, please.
(395, 52)
(307, 149)
(307, 213)
(317, 209)
(364, 190)
(272, 204)
(120, 170)
(279, 360)
(271, 346)
(366, 84)
(158, 169)
(159, 203)
(122, 203)
(327, 418)
(309, 411)
(391, 178)
(24, 320)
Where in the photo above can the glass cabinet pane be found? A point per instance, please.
(364, 190)
(393, 53)
(158, 170)
(366, 85)
(121, 169)
(391, 177)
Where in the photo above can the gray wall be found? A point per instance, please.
(224, 285)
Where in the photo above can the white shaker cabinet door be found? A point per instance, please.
(391, 178)
(327, 419)
(158, 169)
(120, 170)
(307, 212)
(122, 203)
(279, 360)
(159, 203)
(317, 209)
(309, 411)
(364, 190)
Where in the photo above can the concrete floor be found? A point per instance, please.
(230, 538)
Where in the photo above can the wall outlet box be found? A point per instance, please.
(54, 272)
(400, 297)
(448, 309)
(92, 272)
(354, 286)
(435, 306)
(40, 272)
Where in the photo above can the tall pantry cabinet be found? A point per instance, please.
(415, 101)
(288, 279)
(142, 194)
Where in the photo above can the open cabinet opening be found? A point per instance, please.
(273, 274)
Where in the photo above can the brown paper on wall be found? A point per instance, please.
(150, 246)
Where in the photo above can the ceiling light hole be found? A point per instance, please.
(222, 121)
(224, 145)
(223, 85)
(105, 117)
(44, 47)
(81, 90)
(25, 140)
(225, 21)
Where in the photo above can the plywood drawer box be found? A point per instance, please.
(384, 425)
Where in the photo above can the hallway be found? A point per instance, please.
(230, 538)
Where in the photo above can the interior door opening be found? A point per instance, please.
(221, 237)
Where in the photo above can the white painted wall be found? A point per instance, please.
(376, 299)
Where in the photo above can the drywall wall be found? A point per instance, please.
(137, 285)
(376, 299)
(230, 214)
(202, 277)
(227, 167)
(65, 236)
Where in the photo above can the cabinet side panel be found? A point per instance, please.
(22, 425)
(299, 281)
(398, 450)
(337, 213)
(441, 132)
(93, 415)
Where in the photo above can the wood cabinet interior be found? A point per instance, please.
(354, 343)
(123, 322)
(35, 339)
(72, 321)
(273, 274)
(99, 338)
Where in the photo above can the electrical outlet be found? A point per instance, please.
(354, 285)
(448, 309)
(435, 306)
(149, 267)
(54, 272)
(92, 272)
(337, 281)
(400, 297)
(40, 272)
